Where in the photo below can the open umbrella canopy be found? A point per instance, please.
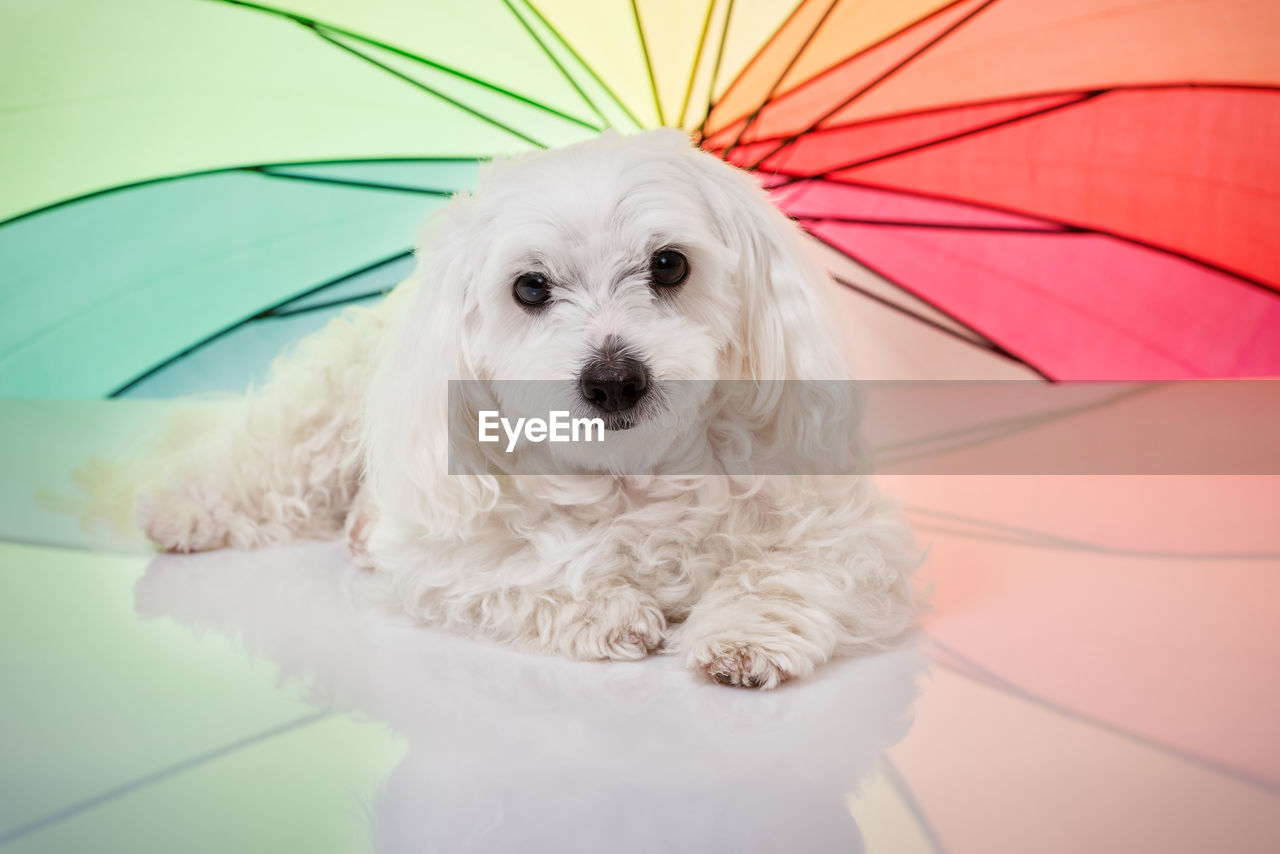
(1087, 188)
(1070, 188)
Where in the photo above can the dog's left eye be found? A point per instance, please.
(668, 268)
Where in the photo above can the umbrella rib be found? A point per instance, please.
(221, 170)
(988, 432)
(559, 66)
(1030, 542)
(587, 67)
(715, 66)
(895, 779)
(1027, 541)
(276, 314)
(648, 63)
(750, 62)
(1096, 317)
(161, 774)
(990, 343)
(313, 24)
(321, 33)
(835, 67)
(1009, 99)
(907, 60)
(177, 357)
(348, 182)
(981, 344)
(783, 76)
(958, 226)
(1068, 228)
(227, 330)
(1034, 538)
(697, 60)
(985, 676)
(942, 140)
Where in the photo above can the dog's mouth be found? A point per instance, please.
(619, 420)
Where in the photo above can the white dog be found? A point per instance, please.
(615, 277)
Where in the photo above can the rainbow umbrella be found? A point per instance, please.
(1081, 189)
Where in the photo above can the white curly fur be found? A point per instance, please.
(753, 578)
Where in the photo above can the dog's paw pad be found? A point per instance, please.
(741, 664)
(179, 523)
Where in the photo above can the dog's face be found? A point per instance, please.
(601, 282)
(606, 278)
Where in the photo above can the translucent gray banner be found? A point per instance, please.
(835, 427)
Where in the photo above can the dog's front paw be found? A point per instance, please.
(620, 625)
(742, 663)
(180, 522)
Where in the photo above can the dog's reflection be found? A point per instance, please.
(522, 753)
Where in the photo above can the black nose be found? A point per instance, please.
(614, 384)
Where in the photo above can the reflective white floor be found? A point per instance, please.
(1099, 673)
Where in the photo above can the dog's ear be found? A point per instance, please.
(409, 416)
(782, 326)
(798, 390)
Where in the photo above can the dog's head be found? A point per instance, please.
(618, 278)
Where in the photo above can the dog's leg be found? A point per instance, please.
(756, 629)
(255, 487)
(769, 620)
(608, 618)
(607, 621)
(615, 622)
(284, 468)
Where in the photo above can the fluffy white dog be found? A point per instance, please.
(616, 277)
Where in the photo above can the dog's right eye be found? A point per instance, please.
(532, 289)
